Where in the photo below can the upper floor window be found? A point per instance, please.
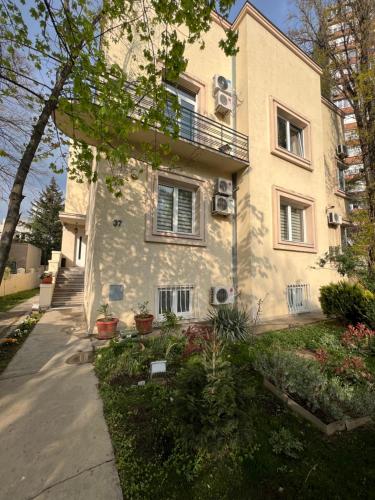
(294, 221)
(341, 178)
(290, 135)
(188, 106)
(176, 209)
(349, 118)
(292, 224)
(175, 212)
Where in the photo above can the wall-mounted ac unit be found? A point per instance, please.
(222, 84)
(223, 103)
(334, 218)
(223, 187)
(221, 295)
(342, 151)
(222, 205)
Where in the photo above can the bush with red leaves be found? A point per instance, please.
(196, 336)
(357, 337)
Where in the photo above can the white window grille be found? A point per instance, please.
(298, 297)
(178, 299)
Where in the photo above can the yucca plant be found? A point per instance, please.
(231, 322)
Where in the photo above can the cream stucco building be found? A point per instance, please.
(166, 242)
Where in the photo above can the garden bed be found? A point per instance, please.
(328, 429)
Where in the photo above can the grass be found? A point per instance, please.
(337, 467)
(9, 301)
(10, 345)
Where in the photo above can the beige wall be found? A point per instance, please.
(14, 283)
(120, 255)
(266, 67)
(25, 255)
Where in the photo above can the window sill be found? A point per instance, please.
(176, 239)
(292, 246)
(297, 160)
(341, 194)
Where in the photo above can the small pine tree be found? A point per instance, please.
(45, 225)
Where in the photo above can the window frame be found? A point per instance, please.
(295, 119)
(282, 196)
(185, 182)
(285, 202)
(175, 289)
(175, 208)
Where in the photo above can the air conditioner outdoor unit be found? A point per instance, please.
(222, 205)
(334, 218)
(223, 187)
(342, 151)
(222, 84)
(221, 295)
(223, 103)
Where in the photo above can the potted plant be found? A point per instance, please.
(46, 278)
(106, 325)
(143, 319)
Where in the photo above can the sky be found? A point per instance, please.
(276, 10)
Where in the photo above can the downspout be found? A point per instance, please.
(234, 184)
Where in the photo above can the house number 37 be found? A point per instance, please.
(117, 222)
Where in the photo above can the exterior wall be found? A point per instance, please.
(68, 244)
(14, 283)
(265, 69)
(120, 255)
(25, 255)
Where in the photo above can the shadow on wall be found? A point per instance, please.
(254, 263)
(120, 254)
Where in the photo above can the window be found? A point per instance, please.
(342, 103)
(176, 299)
(175, 211)
(341, 179)
(187, 101)
(294, 221)
(354, 169)
(290, 135)
(292, 225)
(351, 135)
(298, 297)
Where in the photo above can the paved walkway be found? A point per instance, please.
(54, 440)
(11, 318)
(291, 321)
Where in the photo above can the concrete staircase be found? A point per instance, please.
(69, 287)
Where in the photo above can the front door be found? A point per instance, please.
(80, 248)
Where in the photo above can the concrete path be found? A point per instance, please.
(54, 440)
(290, 321)
(10, 319)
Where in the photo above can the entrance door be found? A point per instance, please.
(80, 248)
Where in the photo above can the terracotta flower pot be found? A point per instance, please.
(47, 280)
(106, 329)
(144, 324)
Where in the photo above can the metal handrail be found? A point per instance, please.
(203, 131)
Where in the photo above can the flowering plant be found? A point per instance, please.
(358, 337)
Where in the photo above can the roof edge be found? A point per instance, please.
(332, 106)
(248, 8)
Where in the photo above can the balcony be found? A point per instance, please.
(200, 139)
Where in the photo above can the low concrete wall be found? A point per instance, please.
(13, 283)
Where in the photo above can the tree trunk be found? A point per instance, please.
(16, 195)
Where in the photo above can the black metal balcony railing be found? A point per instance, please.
(202, 131)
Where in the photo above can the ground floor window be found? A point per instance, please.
(178, 299)
(298, 296)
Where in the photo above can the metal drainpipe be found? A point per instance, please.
(234, 184)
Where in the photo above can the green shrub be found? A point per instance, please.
(303, 380)
(348, 302)
(231, 322)
(283, 442)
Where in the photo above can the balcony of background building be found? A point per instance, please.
(200, 139)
